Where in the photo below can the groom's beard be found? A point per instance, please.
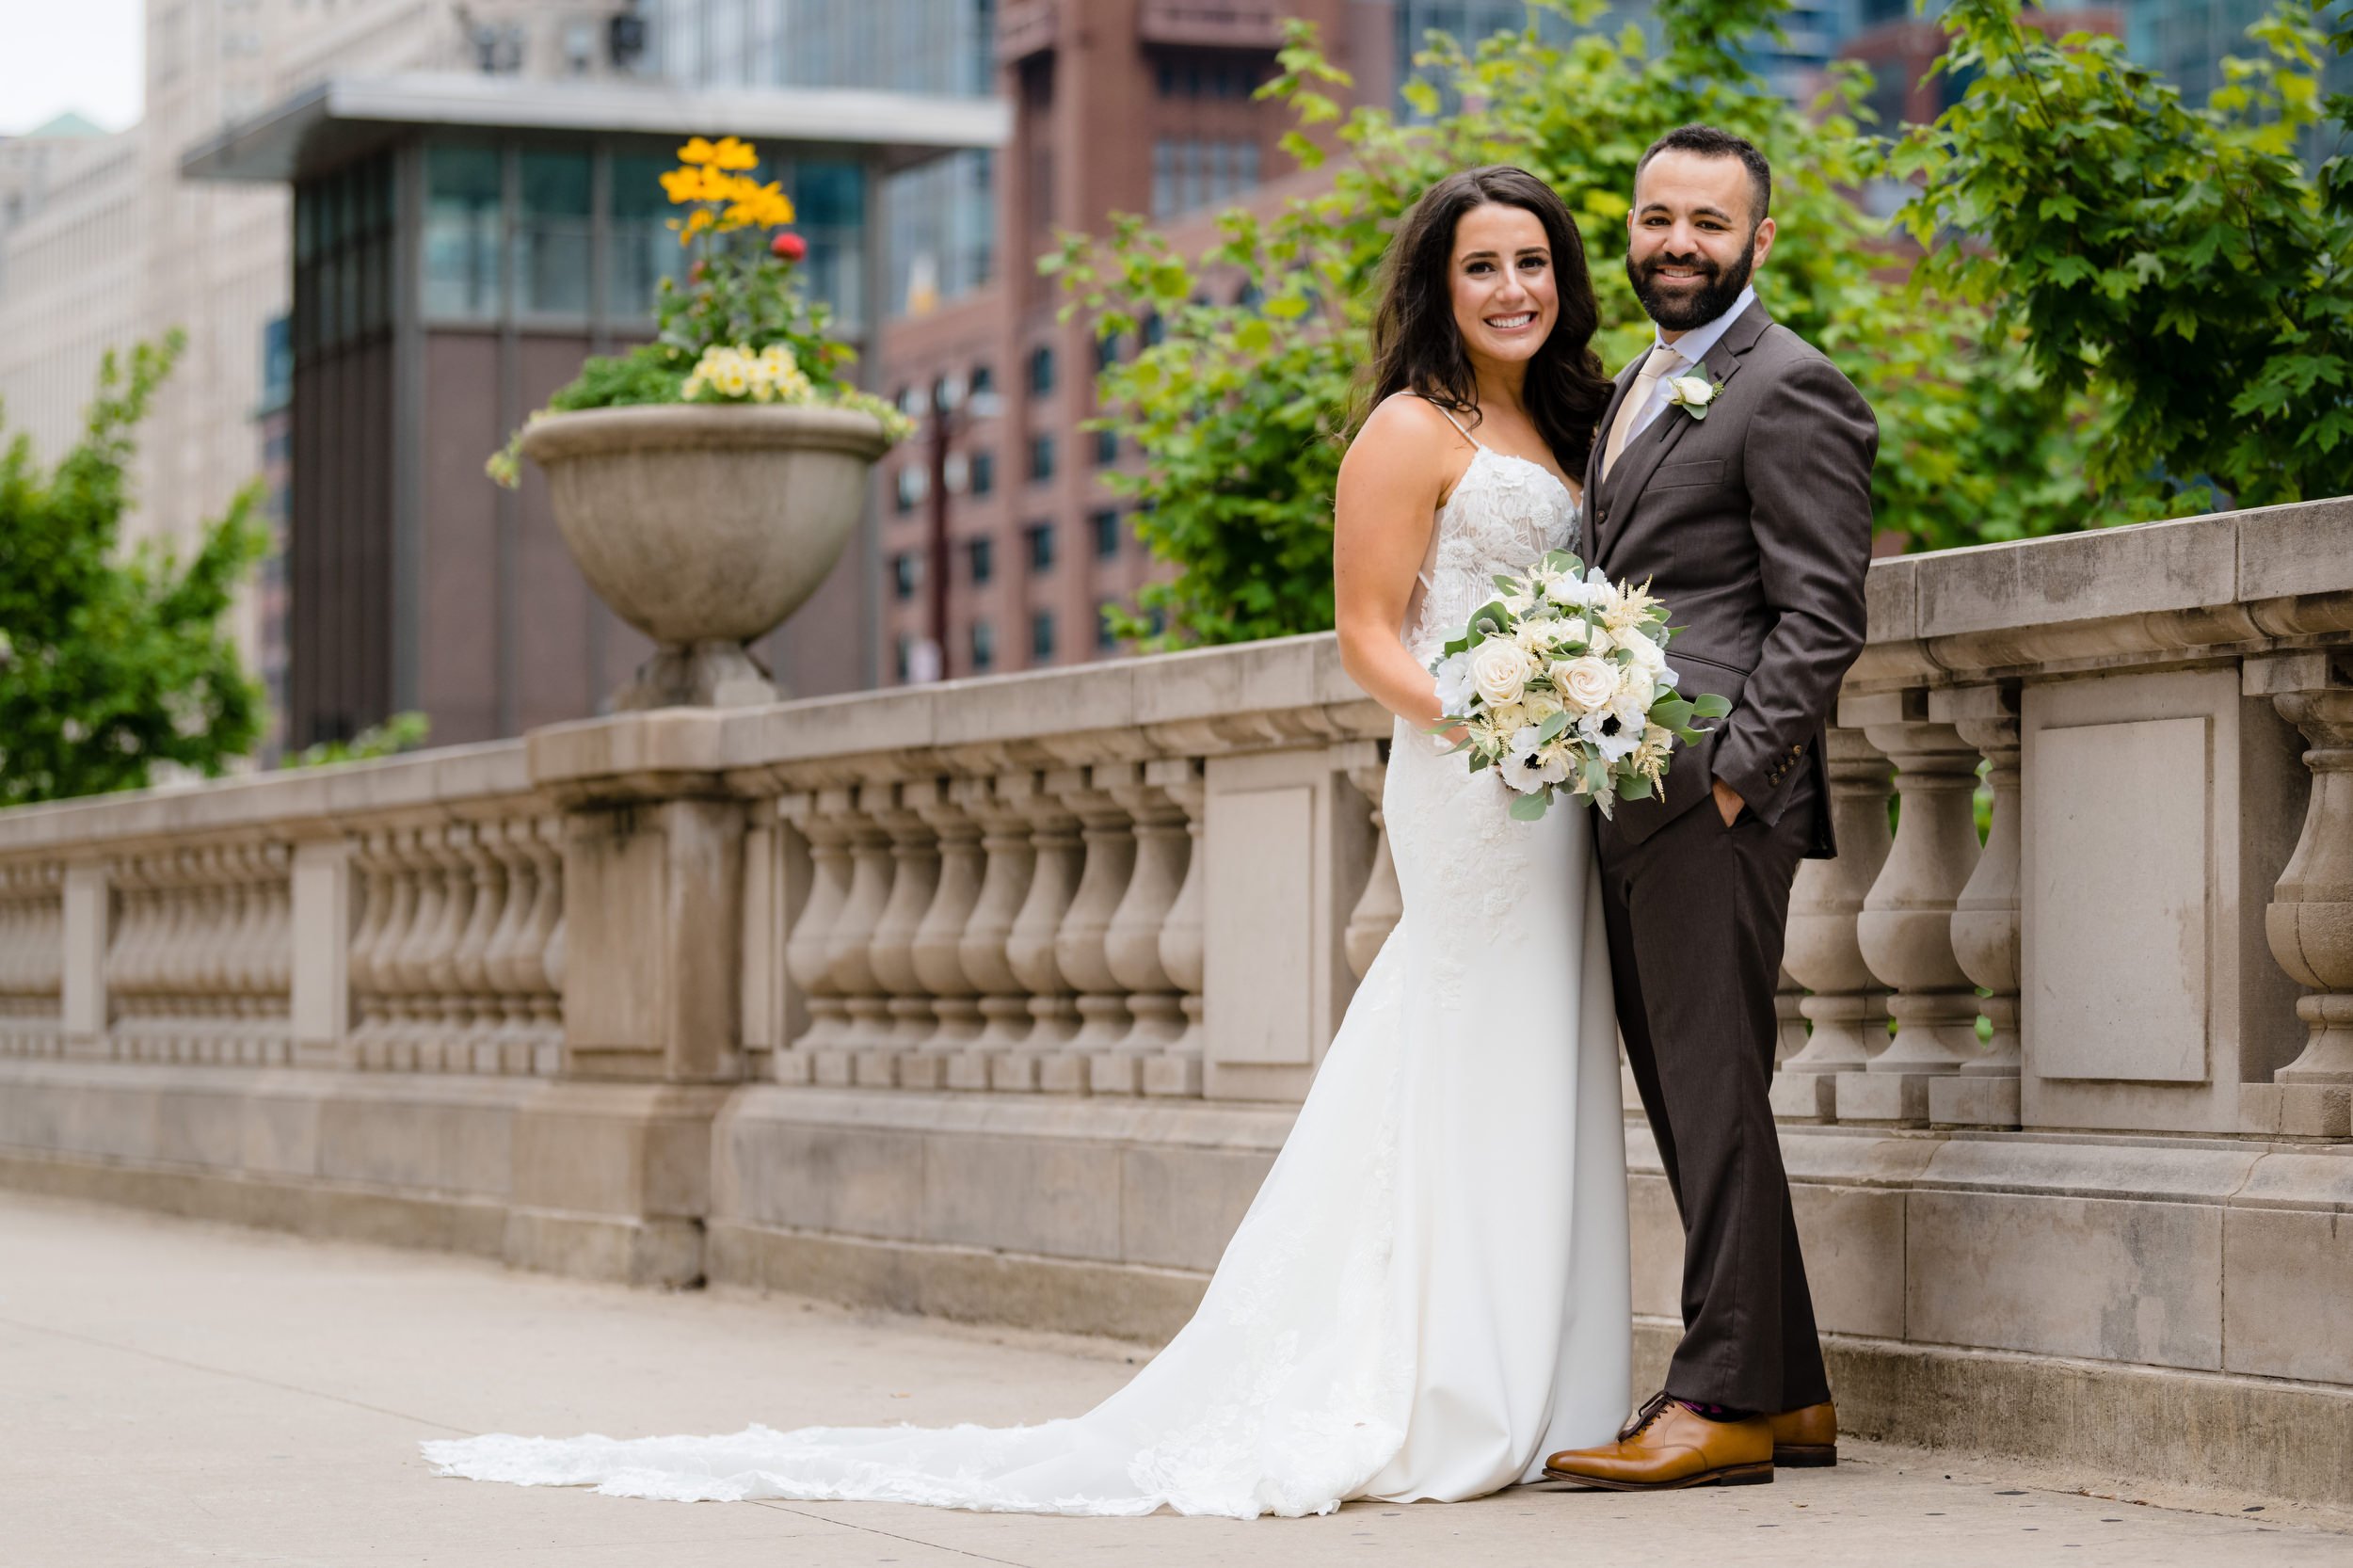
(1680, 313)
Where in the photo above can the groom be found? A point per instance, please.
(1735, 472)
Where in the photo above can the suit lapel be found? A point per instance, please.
(1590, 528)
(1650, 446)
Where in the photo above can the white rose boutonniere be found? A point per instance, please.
(1693, 393)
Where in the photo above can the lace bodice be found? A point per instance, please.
(1505, 511)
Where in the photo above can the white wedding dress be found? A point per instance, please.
(1429, 1293)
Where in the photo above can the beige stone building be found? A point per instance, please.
(105, 241)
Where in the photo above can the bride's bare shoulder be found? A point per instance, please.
(1405, 446)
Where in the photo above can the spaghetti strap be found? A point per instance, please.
(1456, 423)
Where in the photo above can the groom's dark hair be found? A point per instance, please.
(1708, 142)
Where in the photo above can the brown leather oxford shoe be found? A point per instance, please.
(1668, 1446)
(1806, 1438)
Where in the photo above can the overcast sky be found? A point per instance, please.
(79, 55)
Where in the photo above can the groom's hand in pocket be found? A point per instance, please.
(1728, 802)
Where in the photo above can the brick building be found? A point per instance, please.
(1119, 105)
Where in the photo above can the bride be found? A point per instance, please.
(1429, 1293)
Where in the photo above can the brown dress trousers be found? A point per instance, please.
(1755, 526)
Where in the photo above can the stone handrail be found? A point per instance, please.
(1160, 877)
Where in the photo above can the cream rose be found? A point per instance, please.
(1500, 670)
(1589, 682)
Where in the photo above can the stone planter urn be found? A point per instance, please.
(704, 526)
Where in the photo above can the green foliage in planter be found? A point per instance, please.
(404, 732)
(113, 663)
(2182, 264)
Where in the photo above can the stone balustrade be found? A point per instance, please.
(995, 998)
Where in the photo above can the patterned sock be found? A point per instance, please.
(1713, 1411)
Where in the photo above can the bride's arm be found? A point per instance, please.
(1386, 504)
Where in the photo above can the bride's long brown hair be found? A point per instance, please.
(1417, 348)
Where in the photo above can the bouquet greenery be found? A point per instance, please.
(1562, 684)
(741, 329)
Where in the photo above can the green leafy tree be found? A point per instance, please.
(1242, 408)
(2182, 265)
(110, 664)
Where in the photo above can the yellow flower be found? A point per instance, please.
(697, 150)
(733, 152)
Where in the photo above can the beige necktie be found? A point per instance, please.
(1662, 358)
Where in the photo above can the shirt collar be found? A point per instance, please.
(1694, 346)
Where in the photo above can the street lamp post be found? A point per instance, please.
(952, 414)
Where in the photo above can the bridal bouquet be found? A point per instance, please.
(1562, 684)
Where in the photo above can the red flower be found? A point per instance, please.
(789, 244)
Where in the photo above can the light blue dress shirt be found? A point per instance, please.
(1693, 345)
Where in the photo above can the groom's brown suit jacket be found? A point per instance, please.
(1753, 524)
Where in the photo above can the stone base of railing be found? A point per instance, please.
(2054, 1297)
(2296, 1109)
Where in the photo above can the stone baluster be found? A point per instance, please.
(474, 1009)
(1109, 838)
(1058, 859)
(544, 936)
(1177, 1071)
(387, 898)
(1788, 1019)
(409, 972)
(890, 953)
(1381, 905)
(816, 817)
(272, 970)
(231, 927)
(133, 880)
(981, 948)
(937, 948)
(445, 1048)
(849, 946)
(2308, 921)
(1132, 940)
(204, 901)
(1846, 1006)
(1906, 928)
(1985, 1092)
(504, 971)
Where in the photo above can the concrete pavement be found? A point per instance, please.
(173, 1392)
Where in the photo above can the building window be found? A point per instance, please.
(1106, 640)
(551, 234)
(641, 248)
(983, 646)
(1106, 448)
(1193, 172)
(1042, 638)
(1155, 330)
(981, 553)
(462, 230)
(903, 656)
(1041, 369)
(1041, 458)
(1106, 524)
(1106, 352)
(1041, 537)
(983, 472)
(983, 381)
(911, 485)
(906, 574)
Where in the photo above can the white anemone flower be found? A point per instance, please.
(1455, 682)
(1610, 736)
(1526, 768)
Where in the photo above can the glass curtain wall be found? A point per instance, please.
(541, 241)
(938, 221)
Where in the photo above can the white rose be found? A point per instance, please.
(1499, 669)
(1636, 689)
(1691, 391)
(1648, 655)
(1589, 682)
